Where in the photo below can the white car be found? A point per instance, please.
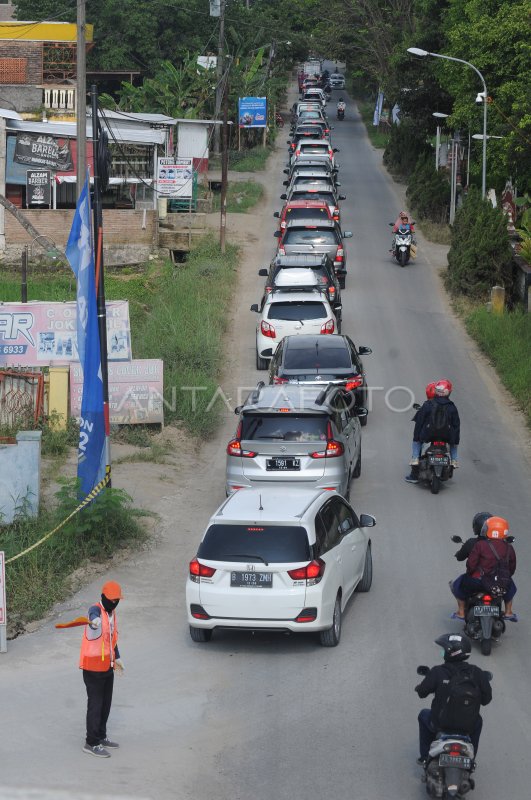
(310, 148)
(279, 559)
(291, 310)
(337, 80)
(315, 93)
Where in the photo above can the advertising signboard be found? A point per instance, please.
(38, 187)
(252, 112)
(135, 391)
(43, 151)
(39, 333)
(2, 588)
(175, 177)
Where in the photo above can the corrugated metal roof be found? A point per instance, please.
(141, 134)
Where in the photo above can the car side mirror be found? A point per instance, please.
(457, 539)
(360, 412)
(336, 150)
(422, 670)
(364, 351)
(416, 406)
(347, 234)
(284, 196)
(341, 196)
(277, 234)
(367, 521)
(391, 224)
(286, 172)
(254, 308)
(509, 539)
(276, 214)
(263, 273)
(337, 183)
(238, 409)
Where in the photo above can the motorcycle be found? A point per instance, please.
(279, 120)
(484, 621)
(435, 464)
(341, 111)
(402, 244)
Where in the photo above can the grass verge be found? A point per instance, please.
(505, 341)
(377, 138)
(42, 577)
(252, 160)
(241, 196)
(434, 231)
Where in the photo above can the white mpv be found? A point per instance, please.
(278, 559)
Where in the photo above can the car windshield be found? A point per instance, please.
(328, 197)
(314, 148)
(286, 426)
(331, 358)
(297, 311)
(309, 181)
(310, 115)
(304, 213)
(280, 544)
(310, 236)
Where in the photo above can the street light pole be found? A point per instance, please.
(417, 51)
(439, 115)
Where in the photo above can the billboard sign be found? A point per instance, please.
(175, 177)
(38, 187)
(135, 392)
(43, 151)
(252, 112)
(39, 333)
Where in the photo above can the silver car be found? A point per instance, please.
(301, 436)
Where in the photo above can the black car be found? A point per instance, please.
(321, 359)
(321, 266)
(308, 132)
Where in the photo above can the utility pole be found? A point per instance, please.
(224, 164)
(219, 75)
(81, 92)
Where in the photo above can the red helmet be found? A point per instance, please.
(495, 528)
(403, 214)
(430, 391)
(443, 388)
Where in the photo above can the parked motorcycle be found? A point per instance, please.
(484, 621)
(402, 243)
(450, 764)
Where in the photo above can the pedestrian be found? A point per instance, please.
(99, 658)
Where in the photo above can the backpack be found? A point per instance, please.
(496, 583)
(438, 426)
(459, 712)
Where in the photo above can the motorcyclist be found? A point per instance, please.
(456, 649)
(403, 219)
(422, 434)
(341, 105)
(481, 560)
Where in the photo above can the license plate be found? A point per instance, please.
(254, 580)
(438, 459)
(281, 463)
(486, 611)
(454, 761)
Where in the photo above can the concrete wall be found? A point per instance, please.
(30, 52)
(23, 98)
(20, 475)
(129, 236)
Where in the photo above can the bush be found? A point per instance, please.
(404, 148)
(428, 191)
(480, 254)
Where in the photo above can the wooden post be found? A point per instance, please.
(24, 276)
(497, 297)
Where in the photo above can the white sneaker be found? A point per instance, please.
(414, 462)
(455, 465)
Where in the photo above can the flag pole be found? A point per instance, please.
(97, 207)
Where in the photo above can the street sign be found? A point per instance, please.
(38, 187)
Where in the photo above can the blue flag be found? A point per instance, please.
(92, 443)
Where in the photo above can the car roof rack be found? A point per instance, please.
(294, 289)
(254, 397)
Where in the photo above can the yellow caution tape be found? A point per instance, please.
(88, 499)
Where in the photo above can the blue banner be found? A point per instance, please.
(252, 112)
(92, 443)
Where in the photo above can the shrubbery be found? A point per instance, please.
(480, 254)
(404, 148)
(428, 191)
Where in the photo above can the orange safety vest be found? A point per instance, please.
(97, 655)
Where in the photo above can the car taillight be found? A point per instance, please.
(311, 573)
(277, 380)
(335, 214)
(283, 224)
(307, 615)
(330, 152)
(439, 444)
(353, 383)
(281, 251)
(267, 289)
(198, 570)
(234, 447)
(331, 292)
(267, 330)
(340, 253)
(328, 327)
(297, 152)
(333, 448)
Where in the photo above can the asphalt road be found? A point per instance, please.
(267, 716)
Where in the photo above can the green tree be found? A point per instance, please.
(428, 191)
(480, 254)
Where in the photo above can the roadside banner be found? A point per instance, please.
(37, 150)
(135, 392)
(34, 334)
(252, 112)
(92, 450)
(3, 615)
(175, 177)
(378, 108)
(38, 187)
